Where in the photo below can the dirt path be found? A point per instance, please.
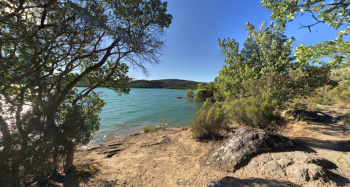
(171, 157)
(328, 137)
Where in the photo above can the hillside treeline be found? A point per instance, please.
(163, 83)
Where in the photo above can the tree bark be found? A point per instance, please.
(70, 156)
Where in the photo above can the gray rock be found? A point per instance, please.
(298, 167)
(245, 144)
(163, 139)
(256, 182)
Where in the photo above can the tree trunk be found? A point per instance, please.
(55, 159)
(70, 156)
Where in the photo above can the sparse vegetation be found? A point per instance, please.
(148, 129)
(346, 119)
(209, 121)
(257, 112)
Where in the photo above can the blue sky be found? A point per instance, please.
(192, 52)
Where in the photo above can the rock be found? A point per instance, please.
(245, 144)
(297, 166)
(256, 182)
(178, 98)
(135, 134)
(164, 139)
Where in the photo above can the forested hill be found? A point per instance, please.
(165, 83)
(162, 83)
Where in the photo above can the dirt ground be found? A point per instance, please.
(170, 157)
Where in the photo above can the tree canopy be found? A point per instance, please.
(264, 50)
(335, 14)
(46, 48)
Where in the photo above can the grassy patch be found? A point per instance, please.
(209, 121)
(148, 129)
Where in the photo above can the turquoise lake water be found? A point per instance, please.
(129, 113)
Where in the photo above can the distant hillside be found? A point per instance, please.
(162, 83)
(165, 83)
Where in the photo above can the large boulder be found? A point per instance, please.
(298, 167)
(256, 182)
(245, 144)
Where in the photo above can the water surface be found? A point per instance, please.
(129, 113)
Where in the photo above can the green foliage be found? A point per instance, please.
(296, 104)
(210, 86)
(346, 119)
(202, 94)
(162, 122)
(209, 121)
(147, 129)
(201, 86)
(286, 87)
(42, 62)
(334, 15)
(189, 93)
(182, 86)
(164, 83)
(265, 50)
(258, 112)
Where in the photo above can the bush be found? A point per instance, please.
(189, 93)
(148, 129)
(285, 87)
(202, 94)
(209, 121)
(346, 119)
(257, 112)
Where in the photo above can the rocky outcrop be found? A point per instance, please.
(245, 144)
(297, 166)
(256, 182)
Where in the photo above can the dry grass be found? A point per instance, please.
(297, 129)
(86, 164)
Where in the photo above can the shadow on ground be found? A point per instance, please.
(256, 182)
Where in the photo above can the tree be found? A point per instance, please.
(211, 86)
(265, 50)
(46, 48)
(201, 86)
(189, 93)
(335, 14)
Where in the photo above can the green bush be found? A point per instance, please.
(286, 87)
(346, 119)
(148, 129)
(202, 94)
(258, 112)
(209, 121)
(189, 93)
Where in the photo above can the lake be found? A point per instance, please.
(129, 113)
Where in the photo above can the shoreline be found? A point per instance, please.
(169, 155)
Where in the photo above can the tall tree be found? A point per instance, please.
(335, 14)
(46, 48)
(265, 50)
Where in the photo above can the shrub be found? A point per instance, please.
(346, 119)
(209, 121)
(202, 94)
(162, 122)
(189, 93)
(258, 112)
(285, 87)
(148, 129)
